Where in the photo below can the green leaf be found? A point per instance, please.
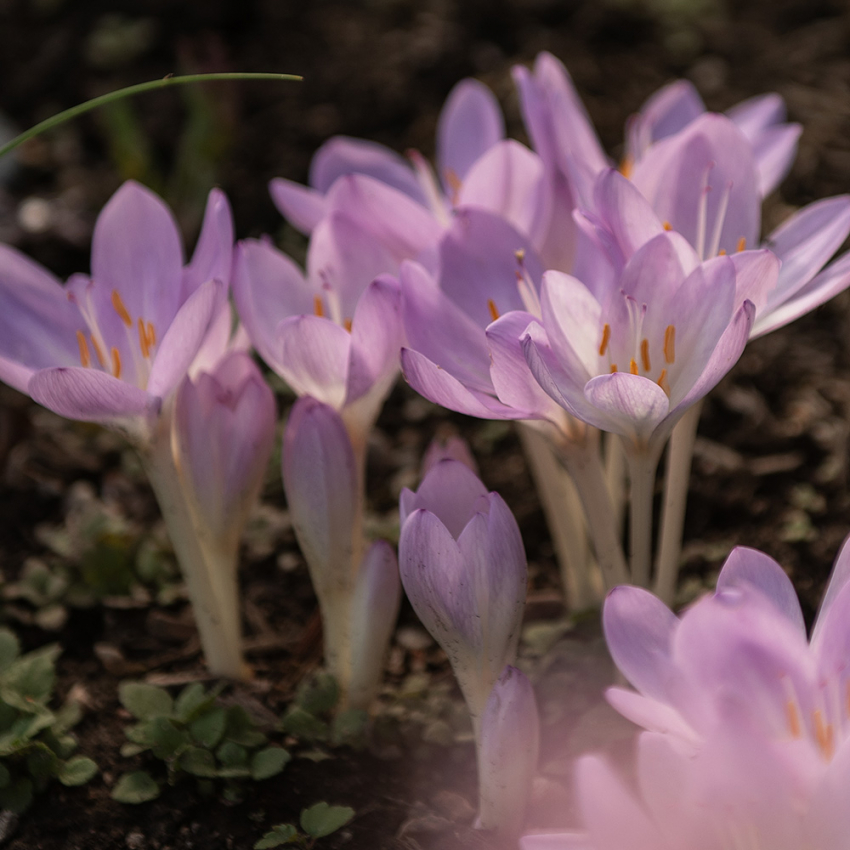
(145, 701)
(168, 741)
(269, 762)
(192, 700)
(318, 695)
(321, 820)
(283, 833)
(32, 676)
(17, 796)
(349, 727)
(128, 750)
(136, 787)
(68, 716)
(42, 764)
(77, 771)
(198, 762)
(304, 725)
(241, 728)
(10, 649)
(231, 754)
(209, 727)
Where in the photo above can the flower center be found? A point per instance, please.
(640, 363)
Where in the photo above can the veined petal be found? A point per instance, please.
(301, 206)
(183, 338)
(314, 353)
(639, 630)
(652, 715)
(756, 276)
(213, 257)
(775, 150)
(344, 155)
(137, 252)
(376, 338)
(757, 114)
(838, 580)
(267, 287)
(633, 406)
(762, 572)
(470, 124)
(666, 112)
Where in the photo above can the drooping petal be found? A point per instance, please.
(301, 206)
(183, 339)
(343, 155)
(762, 572)
(268, 287)
(137, 252)
(470, 124)
(314, 353)
(639, 630)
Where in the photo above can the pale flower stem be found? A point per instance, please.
(678, 474)
(580, 576)
(209, 570)
(582, 460)
(615, 475)
(642, 465)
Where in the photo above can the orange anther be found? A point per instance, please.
(151, 335)
(721, 252)
(318, 307)
(633, 366)
(742, 243)
(667, 225)
(644, 354)
(795, 726)
(85, 357)
(606, 338)
(613, 368)
(116, 363)
(662, 382)
(453, 182)
(347, 325)
(491, 306)
(626, 166)
(120, 309)
(824, 734)
(143, 339)
(670, 344)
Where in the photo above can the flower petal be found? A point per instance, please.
(634, 406)
(301, 206)
(666, 112)
(213, 257)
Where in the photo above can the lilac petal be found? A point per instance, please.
(557, 841)
(831, 642)
(805, 242)
(376, 339)
(438, 585)
(725, 355)
(614, 819)
(301, 206)
(666, 112)
(38, 324)
(756, 275)
(218, 342)
(653, 275)
(267, 287)
(213, 257)
(833, 279)
(450, 448)
(559, 244)
(712, 152)
(343, 155)
(633, 406)
(437, 385)
(838, 580)
(639, 630)
(509, 747)
(137, 252)
(573, 320)
(401, 225)
(508, 180)
(438, 329)
(478, 264)
(320, 480)
(653, 715)
(451, 491)
(314, 353)
(757, 114)
(470, 124)
(763, 573)
(90, 395)
(492, 549)
(179, 346)
(775, 151)
(514, 382)
(344, 257)
(829, 815)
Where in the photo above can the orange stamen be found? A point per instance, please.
(670, 344)
(626, 166)
(633, 366)
(823, 734)
(721, 252)
(116, 363)
(742, 243)
(120, 309)
(347, 325)
(606, 338)
(613, 368)
(667, 225)
(318, 307)
(491, 306)
(97, 350)
(644, 354)
(662, 382)
(454, 183)
(795, 727)
(151, 335)
(143, 340)
(85, 357)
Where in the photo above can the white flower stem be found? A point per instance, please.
(208, 565)
(642, 466)
(678, 474)
(615, 475)
(580, 576)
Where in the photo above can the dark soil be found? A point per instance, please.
(771, 463)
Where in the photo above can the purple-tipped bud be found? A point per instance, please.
(463, 568)
(224, 428)
(508, 749)
(452, 448)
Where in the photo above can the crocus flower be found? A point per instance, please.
(463, 568)
(113, 347)
(357, 585)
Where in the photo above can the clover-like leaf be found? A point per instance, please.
(208, 728)
(241, 728)
(304, 725)
(269, 762)
(136, 787)
(198, 762)
(10, 649)
(145, 701)
(321, 819)
(283, 833)
(77, 771)
(318, 695)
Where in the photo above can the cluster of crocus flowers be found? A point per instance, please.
(747, 720)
